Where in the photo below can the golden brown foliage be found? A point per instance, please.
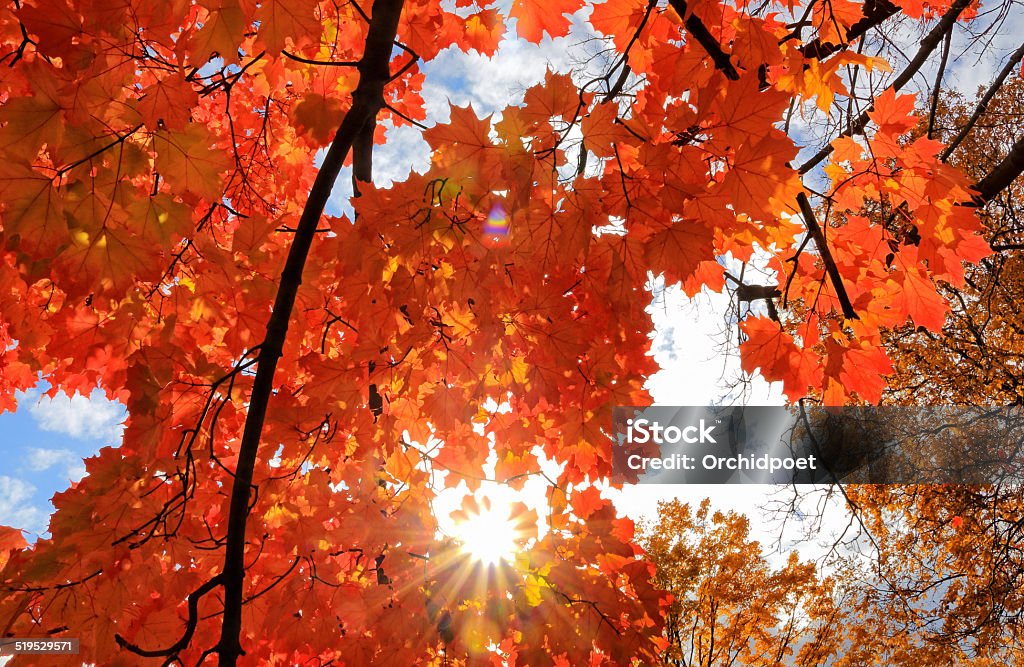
(732, 605)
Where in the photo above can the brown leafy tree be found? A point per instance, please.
(950, 559)
(731, 605)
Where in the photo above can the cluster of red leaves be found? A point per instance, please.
(155, 160)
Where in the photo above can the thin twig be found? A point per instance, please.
(325, 63)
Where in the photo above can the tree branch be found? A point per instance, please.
(325, 63)
(979, 111)
(937, 88)
(826, 256)
(751, 292)
(1000, 178)
(367, 100)
(700, 32)
(362, 157)
(928, 44)
(190, 626)
(876, 12)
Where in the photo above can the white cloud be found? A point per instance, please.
(491, 84)
(91, 417)
(694, 344)
(16, 509)
(979, 49)
(45, 459)
(405, 150)
(976, 60)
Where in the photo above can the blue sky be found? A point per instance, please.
(43, 444)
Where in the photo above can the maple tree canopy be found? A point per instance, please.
(291, 376)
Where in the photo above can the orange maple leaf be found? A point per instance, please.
(534, 19)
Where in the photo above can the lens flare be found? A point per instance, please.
(496, 226)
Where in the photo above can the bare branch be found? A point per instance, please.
(826, 256)
(1000, 178)
(326, 63)
(876, 12)
(979, 111)
(190, 626)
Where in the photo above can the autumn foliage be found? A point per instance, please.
(731, 605)
(302, 385)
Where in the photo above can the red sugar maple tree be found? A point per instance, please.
(296, 380)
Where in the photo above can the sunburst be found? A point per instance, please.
(487, 532)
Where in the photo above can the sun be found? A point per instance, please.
(487, 532)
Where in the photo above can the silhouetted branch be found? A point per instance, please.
(826, 256)
(325, 63)
(367, 100)
(875, 13)
(190, 626)
(700, 32)
(979, 111)
(1000, 178)
(937, 88)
